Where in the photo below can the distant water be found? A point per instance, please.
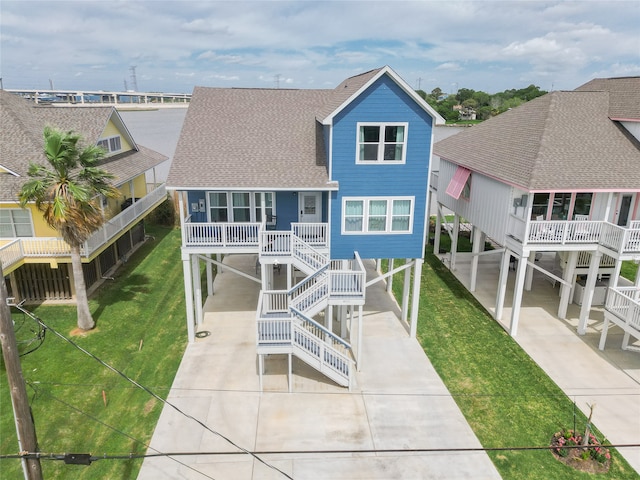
(158, 130)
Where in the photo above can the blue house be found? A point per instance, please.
(315, 182)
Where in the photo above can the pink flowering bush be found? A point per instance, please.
(569, 438)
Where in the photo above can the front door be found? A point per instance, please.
(624, 209)
(310, 207)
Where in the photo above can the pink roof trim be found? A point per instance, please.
(456, 185)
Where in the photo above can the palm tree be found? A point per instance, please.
(67, 191)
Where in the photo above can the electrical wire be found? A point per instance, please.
(37, 391)
(58, 456)
(154, 395)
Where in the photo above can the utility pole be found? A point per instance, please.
(21, 411)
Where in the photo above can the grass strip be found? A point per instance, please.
(140, 331)
(505, 396)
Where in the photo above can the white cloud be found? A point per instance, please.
(477, 44)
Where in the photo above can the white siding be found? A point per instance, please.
(633, 128)
(488, 207)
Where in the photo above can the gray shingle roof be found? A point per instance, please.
(21, 142)
(562, 140)
(624, 95)
(251, 138)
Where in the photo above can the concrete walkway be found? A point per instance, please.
(610, 379)
(399, 402)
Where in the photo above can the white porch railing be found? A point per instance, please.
(313, 233)
(562, 232)
(220, 234)
(275, 243)
(621, 239)
(11, 253)
(623, 309)
(115, 225)
(57, 247)
(349, 281)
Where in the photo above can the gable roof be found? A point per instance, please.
(624, 95)
(560, 141)
(265, 139)
(351, 88)
(21, 141)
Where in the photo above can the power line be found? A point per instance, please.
(153, 394)
(130, 456)
(97, 420)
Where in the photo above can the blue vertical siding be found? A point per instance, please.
(195, 197)
(286, 209)
(383, 101)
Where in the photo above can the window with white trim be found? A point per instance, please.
(15, 222)
(381, 143)
(240, 206)
(377, 215)
(111, 144)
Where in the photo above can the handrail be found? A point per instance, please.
(57, 247)
(327, 332)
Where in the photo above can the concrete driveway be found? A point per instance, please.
(320, 430)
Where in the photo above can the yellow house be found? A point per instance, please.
(35, 260)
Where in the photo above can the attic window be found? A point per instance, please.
(458, 182)
(382, 143)
(111, 144)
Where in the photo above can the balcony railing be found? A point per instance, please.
(251, 234)
(624, 240)
(20, 248)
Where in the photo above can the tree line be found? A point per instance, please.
(483, 104)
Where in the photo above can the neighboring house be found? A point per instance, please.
(558, 174)
(311, 182)
(35, 260)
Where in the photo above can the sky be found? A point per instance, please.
(172, 46)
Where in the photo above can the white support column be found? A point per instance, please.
(390, 277)
(260, 368)
(197, 288)
(436, 235)
(343, 321)
(529, 276)
(289, 276)
(502, 283)
(566, 290)
(415, 296)
(454, 241)
(637, 283)
(188, 295)
(405, 292)
(517, 296)
(328, 318)
(587, 298)
(219, 259)
(615, 278)
(379, 265)
(477, 242)
(359, 352)
(209, 267)
(290, 373)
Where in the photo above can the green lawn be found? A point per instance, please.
(629, 270)
(506, 398)
(141, 331)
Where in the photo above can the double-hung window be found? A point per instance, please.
(15, 222)
(377, 215)
(111, 144)
(218, 207)
(240, 206)
(382, 143)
